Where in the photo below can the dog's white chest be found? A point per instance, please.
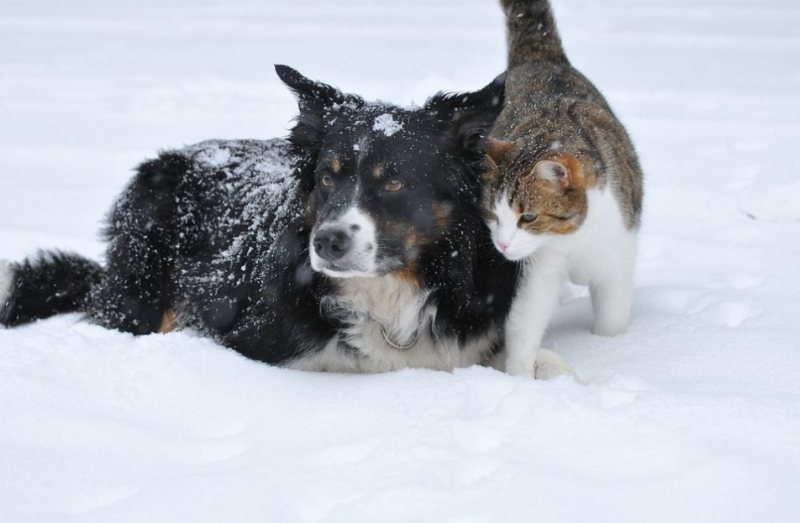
(390, 325)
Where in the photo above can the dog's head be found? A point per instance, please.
(383, 182)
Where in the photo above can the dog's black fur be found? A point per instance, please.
(220, 232)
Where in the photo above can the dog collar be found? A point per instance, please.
(397, 345)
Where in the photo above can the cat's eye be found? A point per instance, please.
(326, 181)
(394, 185)
(528, 218)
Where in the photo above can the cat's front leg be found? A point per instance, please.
(530, 313)
(612, 297)
(611, 301)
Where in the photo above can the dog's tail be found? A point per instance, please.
(44, 285)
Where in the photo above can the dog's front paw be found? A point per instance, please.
(520, 368)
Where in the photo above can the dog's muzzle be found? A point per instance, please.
(346, 246)
(332, 243)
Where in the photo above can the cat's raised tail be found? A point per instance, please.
(532, 33)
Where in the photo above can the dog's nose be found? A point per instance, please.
(331, 244)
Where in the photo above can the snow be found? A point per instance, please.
(387, 124)
(692, 416)
(6, 282)
(215, 156)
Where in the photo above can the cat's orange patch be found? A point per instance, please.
(335, 165)
(580, 177)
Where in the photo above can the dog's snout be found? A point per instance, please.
(332, 244)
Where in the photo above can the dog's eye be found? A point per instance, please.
(326, 181)
(393, 185)
(528, 218)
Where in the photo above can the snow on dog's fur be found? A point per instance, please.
(356, 245)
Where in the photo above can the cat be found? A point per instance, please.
(563, 187)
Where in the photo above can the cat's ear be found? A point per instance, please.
(552, 171)
(563, 171)
(497, 150)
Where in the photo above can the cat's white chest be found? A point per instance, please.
(602, 242)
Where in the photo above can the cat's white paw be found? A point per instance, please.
(6, 280)
(550, 365)
(610, 328)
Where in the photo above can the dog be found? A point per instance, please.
(355, 245)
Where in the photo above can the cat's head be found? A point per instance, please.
(530, 198)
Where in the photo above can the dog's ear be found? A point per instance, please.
(319, 106)
(469, 116)
(313, 98)
(316, 101)
(310, 94)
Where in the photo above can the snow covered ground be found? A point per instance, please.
(693, 416)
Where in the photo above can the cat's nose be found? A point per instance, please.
(503, 245)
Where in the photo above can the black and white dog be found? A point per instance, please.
(357, 245)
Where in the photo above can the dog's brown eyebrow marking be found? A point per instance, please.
(335, 165)
(441, 215)
(377, 171)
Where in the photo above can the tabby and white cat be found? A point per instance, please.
(563, 187)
